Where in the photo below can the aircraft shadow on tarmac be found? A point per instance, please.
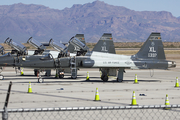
(80, 78)
(94, 80)
(142, 81)
(14, 78)
(19, 75)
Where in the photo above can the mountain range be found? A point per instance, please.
(21, 21)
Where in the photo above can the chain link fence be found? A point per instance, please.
(151, 112)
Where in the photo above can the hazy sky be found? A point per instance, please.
(172, 6)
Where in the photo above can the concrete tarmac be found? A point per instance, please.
(67, 92)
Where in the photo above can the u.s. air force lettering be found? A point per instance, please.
(110, 62)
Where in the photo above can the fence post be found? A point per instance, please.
(5, 113)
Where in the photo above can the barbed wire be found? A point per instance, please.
(148, 112)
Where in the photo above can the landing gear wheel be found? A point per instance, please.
(61, 76)
(104, 78)
(1, 77)
(40, 80)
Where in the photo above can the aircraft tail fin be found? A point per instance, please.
(81, 38)
(105, 44)
(152, 48)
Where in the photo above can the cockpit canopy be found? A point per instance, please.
(36, 44)
(17, 46)
(57, 45)
(77, 43)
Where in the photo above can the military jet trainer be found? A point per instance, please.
(17, 50)
(9, 60)
(150, 56)
(20, 50)
(61, 50)
(41, 50)
(105, 44)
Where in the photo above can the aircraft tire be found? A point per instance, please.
(1, 77)
(104, 78)
(40, 80)
(61, 76)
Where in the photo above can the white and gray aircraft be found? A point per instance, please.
(150, 56)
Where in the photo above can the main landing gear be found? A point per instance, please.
(105, 72)
(59, 74)
(40, 79)
(120, 75)
(104, 76)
